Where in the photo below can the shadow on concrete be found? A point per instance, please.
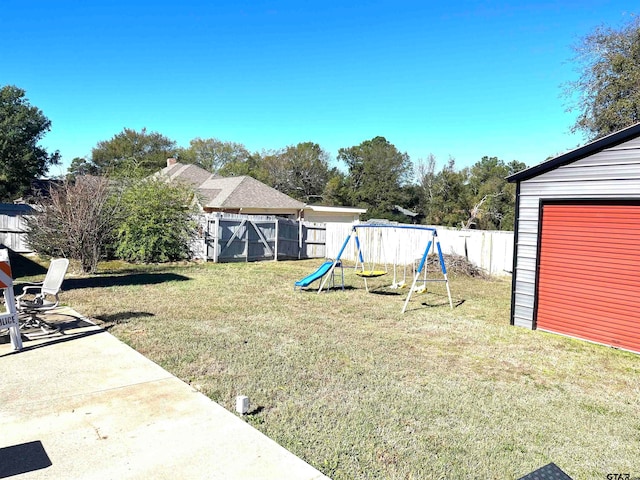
(23, 458)
(45, 342)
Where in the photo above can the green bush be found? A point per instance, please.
(156, 222)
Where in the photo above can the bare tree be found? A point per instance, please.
(75, 220)
(477, 211)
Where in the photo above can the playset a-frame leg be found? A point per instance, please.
(423, 264)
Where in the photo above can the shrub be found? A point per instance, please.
(156, 222)
(74, 220)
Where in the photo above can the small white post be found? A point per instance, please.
(242, 404)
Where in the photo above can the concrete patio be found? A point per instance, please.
(80, 404)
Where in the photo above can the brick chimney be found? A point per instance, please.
(171, 161)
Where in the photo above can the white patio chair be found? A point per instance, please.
(38, 298)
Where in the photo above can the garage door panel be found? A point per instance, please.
(560, 318)
(608, 279)
(597, 308)
(589, 273)
(591, 297)
(619, 338)
(604, 221)
(595, 211)
(576, 326)
(564, 286)
(589, 261)
(571, 244)
(570, 241)
(626, 343)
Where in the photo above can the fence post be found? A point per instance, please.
(216, 238)
(275, 247)
(246, 240)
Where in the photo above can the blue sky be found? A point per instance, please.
(462, 79)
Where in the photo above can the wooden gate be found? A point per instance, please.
(244, 238)
(288, 245)
(313, 240)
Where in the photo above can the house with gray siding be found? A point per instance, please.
(576, 268)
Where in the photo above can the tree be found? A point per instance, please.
(377, 173)
(80, 166)
(75, 220)
(426, 175)
(213, 154)
(252, 166)
(156, 222)
(477, 197)
(300, 171)
(493, 198)
(448, 204)
(22, 126)
(608, 89)
(130, 150)
(336, 191)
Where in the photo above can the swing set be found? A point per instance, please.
(370, 234)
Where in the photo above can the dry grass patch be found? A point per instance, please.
(358, 390)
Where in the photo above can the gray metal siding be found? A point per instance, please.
(613, 173)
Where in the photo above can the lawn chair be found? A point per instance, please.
(38, 298)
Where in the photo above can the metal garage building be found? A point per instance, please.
(577, 243)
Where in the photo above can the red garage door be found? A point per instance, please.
(589, 277)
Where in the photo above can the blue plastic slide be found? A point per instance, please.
(319, 273)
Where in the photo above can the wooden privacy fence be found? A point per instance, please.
(492, 251)
(231, 238)
(13, 226)
(228, 238)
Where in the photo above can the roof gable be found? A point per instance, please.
(245, 192)
(191, 174)
(603, 143)
(229, 192)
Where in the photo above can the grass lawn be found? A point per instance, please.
(358, 390)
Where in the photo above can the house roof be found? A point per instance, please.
(191, 174)
(589, 149)
(229, 192)
(244, 192)
(15, 209)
